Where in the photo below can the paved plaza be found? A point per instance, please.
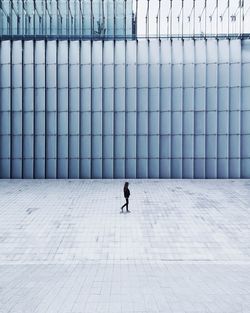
(65, 247)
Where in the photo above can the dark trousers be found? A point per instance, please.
(126, 204)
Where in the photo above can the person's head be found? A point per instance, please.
(126, 185)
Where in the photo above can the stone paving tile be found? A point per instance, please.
(65, 247)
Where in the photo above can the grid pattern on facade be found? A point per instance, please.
(67, 18)
(114, 109)
(109, 19)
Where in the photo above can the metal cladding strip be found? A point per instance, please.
(125, 103)
(199, 108)
(57, 109)
(102, 107)
(74, 126)
(113, 108)
(18, 106)
(91, 110)
(130, 135)
(45, 111)
(67, 161)
(136, 108)
(34, 108)
(51, 122)
(5, 112)
(235, 109)
(80, 112)
(223, 84)
(26, 127)
(245, 112)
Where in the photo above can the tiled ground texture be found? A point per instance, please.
(65, 247)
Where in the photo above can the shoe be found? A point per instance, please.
(128, 211)
(121, 210)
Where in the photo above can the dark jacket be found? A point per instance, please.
(126, 192)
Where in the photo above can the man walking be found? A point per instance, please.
(126, 193)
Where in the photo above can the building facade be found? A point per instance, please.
(81, 96)
(67, 18)
(114, 109)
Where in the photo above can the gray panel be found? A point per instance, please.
(211, 168)
(165, 99)
(211, 75)
(188, 122)
(223, 99)
(212, 51)
(235, 74)
(234, 98)
(199, 127)
(165, 147)
(223, 74)
(131, 147)
(188, 146)
(245, 146)
(131, 168)
(188, 75)
(222, 168)
(188, 168)
(234, 122)
(176, 146)
(234, 147)
(153, 127)
(176, 168)
(223, 122)
(142, 146)
(188, 99)
(211, 99)
(199, 99)
(165, 123)
(245, 120)
(119, 146)
(165, 168)
(245, 74)
(189, 52)
(245, 168)
(142, 168)
(177, 75)
(200, 75)
(199, 168)
(222, 146)
(153, 168)
(199, 146)
(177, 51)
(234, 168)
(165, 78)
(142, 122)
(5, 127)
(119, 168)
(211, 123)
(153, 146)
(5, 75)
(5, 52)
(4, 166)
(5, 98)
